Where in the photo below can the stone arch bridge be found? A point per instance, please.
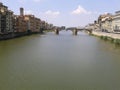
(74, 30)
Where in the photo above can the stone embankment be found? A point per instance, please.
(15, 35)
(113, 37)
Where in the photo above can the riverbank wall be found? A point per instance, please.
(16, 35)
(113, 37)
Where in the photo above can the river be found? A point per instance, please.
(59, 62)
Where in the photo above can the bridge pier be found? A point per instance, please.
(56, 31)
(75, 31)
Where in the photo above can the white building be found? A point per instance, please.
(116, 22)
(105, 22)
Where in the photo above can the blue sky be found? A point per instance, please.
(65, 12)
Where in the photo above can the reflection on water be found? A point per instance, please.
(59, 62)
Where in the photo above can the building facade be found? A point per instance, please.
(20, 24)
(33, 23)
(26, 23)
(116, 22)
(37, 24)
(42, 24)
(0, 22)
(6, 20)
(105, 22)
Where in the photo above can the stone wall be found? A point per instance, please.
(112, 35)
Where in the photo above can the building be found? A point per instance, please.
(10, 23)
(0, 21)
(30, 19)
(105, 22)
(116, 22)
(20, 24)
(26, 23)
(6, 20)
(49, 26)
(90, 26)
(21, 11)
(33, 23)
(42, 24)
(37, 25)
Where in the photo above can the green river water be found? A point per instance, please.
(59, 62)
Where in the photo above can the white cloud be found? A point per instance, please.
(80, 10)
(52, 13)
(51, 17)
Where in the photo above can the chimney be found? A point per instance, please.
(21, 11)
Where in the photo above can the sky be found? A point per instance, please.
(70, 13)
